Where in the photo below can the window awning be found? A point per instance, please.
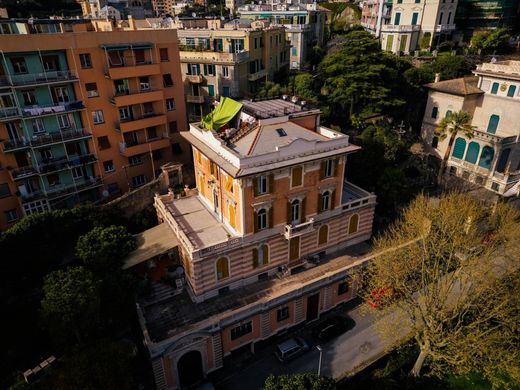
(150, 243)
(115, 47)
(126, 46)
(222, 114)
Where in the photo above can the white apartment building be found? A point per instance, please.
(491, 158)
(411, 20)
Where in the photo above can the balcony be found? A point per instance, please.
(493, 138)
(47, 139)
(52, 109)
(138, 97)
(9, 113)
(23, 172)
(78, 186)
(444, 27)
(195, 99)
(300, 229)
(213, 57)
(400, 28)
(195, 78)
(128, 149)
(28, 79)
(62, 163)
(129, 70)
(258, 75)
(142, 122)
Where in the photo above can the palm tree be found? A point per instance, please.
(452, 124)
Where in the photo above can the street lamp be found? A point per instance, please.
(319, 348)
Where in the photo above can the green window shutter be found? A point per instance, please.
(389, 42)
(322, 169)
(332, 199)
(302, 211)
(459, 148)
(255, 186)
(511, 91)
(397, 19)
(494, 88)
(493, 124)
(472, 153)
(486, 157)
(415, 16)
(211, 90)
(435, 112)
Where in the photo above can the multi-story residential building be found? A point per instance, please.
(304, 24)
(475, 15)
(98, 8)
(84, 115)
(374, 14)
(416, 22)
(163, 7)
(258, 238)
(491, 158)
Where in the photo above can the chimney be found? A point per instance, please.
(437, 77)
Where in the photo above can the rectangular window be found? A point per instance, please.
(225, 71)
(85, 60)
(261, 185)
(342, 287)
(163, 54)
(125, 113)
(415, 16)
(218, 44)
(19, 65)
(135, 160)
(157, 155)
(173, 127)
(97, 117)
(92, 90)
(167, 80)
(397, 19)
(108, 166)
(63, 121)
(4, 190)
(511, 91)
(225, 91)
(37, 126)
(103, 142)
(151, 132)
(209, 69)
(211, 90)
(144, 83)
(29, 99)
(53, 179)
(170, 104)
(51, 63)
(11, 215)
(138, 181)
(328, 168)
(435, 112)
(494, 88)
(241, 330)
(294, 51)
(296, 177)
(61, 94)
(77, 172)
(282, 314)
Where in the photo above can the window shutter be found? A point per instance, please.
(255, 186)
(323, 166)
(255, 257)
(318, 209)
(271, 183)
(270, 216)
(336, 167)
(302, 210)
(255, 221)
(265, 254)
(332, 199)
(288, 213)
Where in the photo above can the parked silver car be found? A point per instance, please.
(290, 349)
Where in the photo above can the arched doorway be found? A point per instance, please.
(190, 369)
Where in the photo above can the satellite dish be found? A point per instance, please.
(222, 18)
(179, 271)
(193, 14)
(105, 194)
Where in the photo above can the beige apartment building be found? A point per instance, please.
(260, 239)
(491, 158)
(412, 20)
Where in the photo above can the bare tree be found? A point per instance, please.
(451, 283)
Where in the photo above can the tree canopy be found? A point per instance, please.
(307, 381)
(491, 41)
(448, 274)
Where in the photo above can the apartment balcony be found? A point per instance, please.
(52, 109)
(129, 70)
(128, 149)
(195, 99)
(140, 97)
(444, 28)
(405, 28)
(195, 78)
(9, 113)
(142, 122)
(493, 138)
(297, 27)
(23, 172)
(28, 79)
(213, 57)
(47, 139)
(299, 229)
(258, 75)
(62, 163)
(73, 188)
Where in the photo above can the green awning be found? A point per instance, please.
(142, 45)
(115, 47)
(222, 114)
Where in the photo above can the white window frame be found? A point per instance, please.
(170, 104)
(225, 71)
(98, 117)
(325, 201)
(262, 186)
(62, 94)
(63, 121)
(329, 168)
(295, 211)
(140, 183)
(262, 219)
(110, 166)
(75, 174)
(38, 126)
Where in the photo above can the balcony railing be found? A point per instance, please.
(65, 189)
(45, 139)
(39, 78)
(258, 75)
(444, 27)
(195, 78)
(299, 229)
(125, 62)
(58, 164)
(400, 28)
(51, 109)
(194, 99)
(7, 113)
(211, 56)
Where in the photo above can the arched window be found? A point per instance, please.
(486, 157)
(222, 268)
(472, 153)
(493, 124)
(295, 211)
(325, 200)
(459, 148)
(353, 224)
(262, 219)
(323, 235)
(448, 113)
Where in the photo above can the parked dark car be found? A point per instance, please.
(291, 349)
(332, 327)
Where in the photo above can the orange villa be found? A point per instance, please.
(266, 239)
(85, 115)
